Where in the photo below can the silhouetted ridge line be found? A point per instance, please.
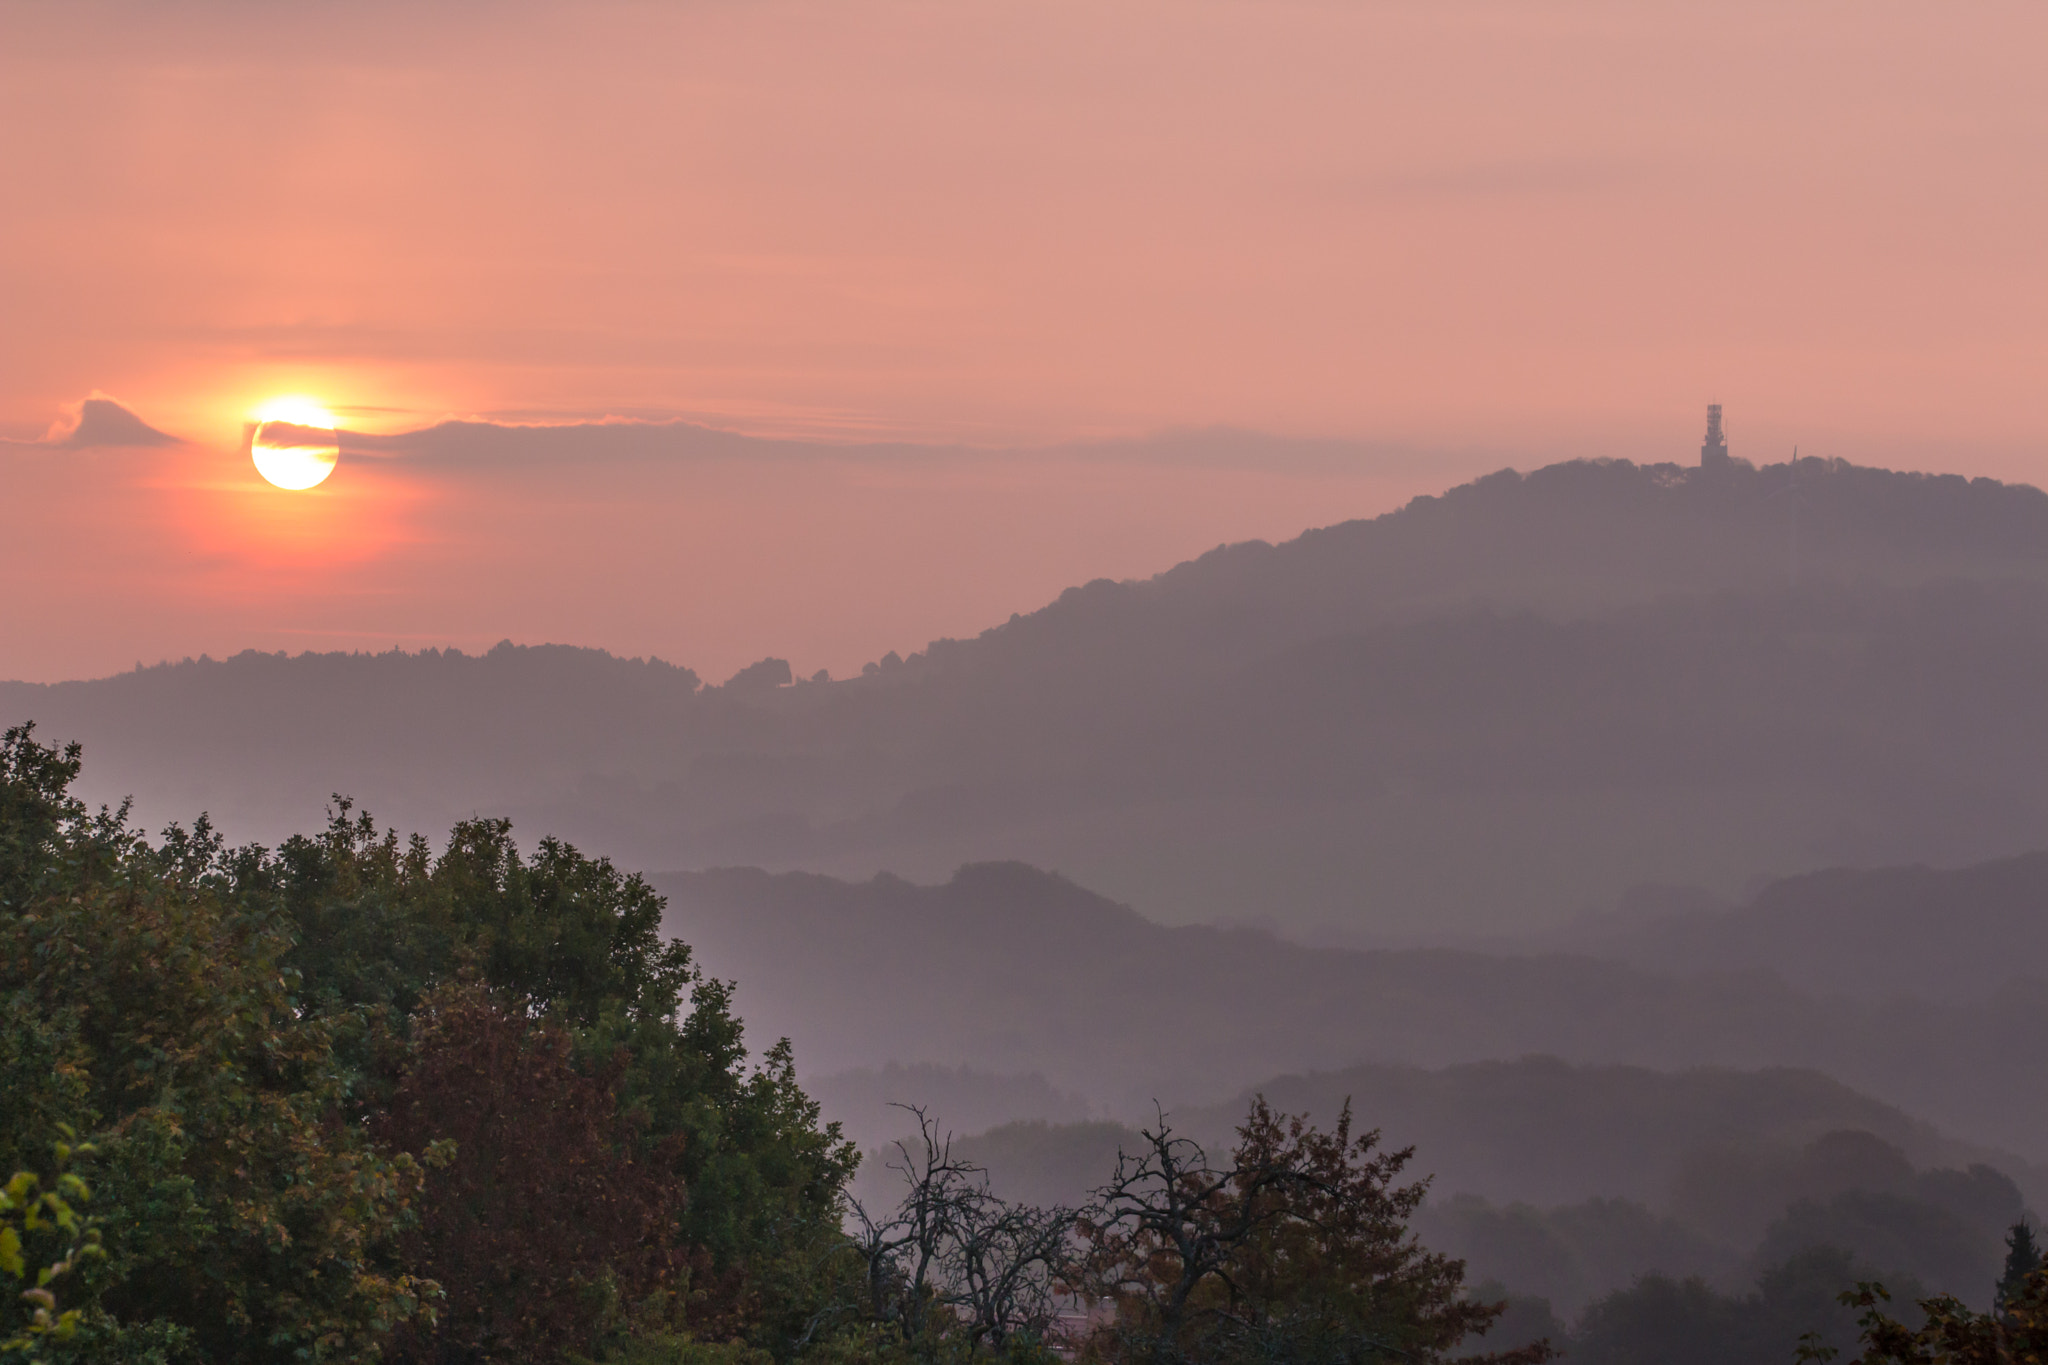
(1488, 711)
(1968, 933)
(1011, 971)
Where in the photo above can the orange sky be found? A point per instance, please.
(1455, 235)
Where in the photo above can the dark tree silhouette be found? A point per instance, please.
(1297, 1251)
(955, 1263)
(2022, 1258)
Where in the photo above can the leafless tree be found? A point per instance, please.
(952, 1257)
(1169, 1222)
(1006, 1268)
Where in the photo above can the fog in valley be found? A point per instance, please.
(1021, 683)
(1657, 850)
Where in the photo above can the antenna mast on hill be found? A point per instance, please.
(1714, 453)
(1793, 484)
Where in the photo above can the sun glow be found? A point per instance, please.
(293, 443)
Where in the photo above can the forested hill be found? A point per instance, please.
(1491, 709)
(1012, 970)
(1535, 1129)
(1566, 539)
(1945, 933)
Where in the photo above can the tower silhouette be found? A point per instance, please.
(1714, 454)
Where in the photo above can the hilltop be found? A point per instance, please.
(1485, 712)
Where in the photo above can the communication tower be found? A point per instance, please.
(1714, 454)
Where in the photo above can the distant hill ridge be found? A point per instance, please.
(1600, 530)
(1946, 933)
(1533, 1128)
(1011, 970)
(1487, 711)
(1569, 537)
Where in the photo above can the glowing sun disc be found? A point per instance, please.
(293, 445)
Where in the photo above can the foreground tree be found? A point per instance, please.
(44, 1238)
(540, 1220)
(381, 922)
(143, 1005)
(310, 1074)
(2022, 1259)
(1298, 1251)
(953, 1269)
(1949, 1333)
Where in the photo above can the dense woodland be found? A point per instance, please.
(357, 1098)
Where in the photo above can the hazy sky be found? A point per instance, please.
(1438, 237)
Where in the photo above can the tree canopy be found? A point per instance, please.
(345, 1094)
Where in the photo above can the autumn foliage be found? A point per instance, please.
(1949, 1332)
(542, 1217)
(352, 1100)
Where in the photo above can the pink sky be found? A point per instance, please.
(1453, 235)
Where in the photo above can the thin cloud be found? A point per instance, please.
(473, 444)
(101, 423)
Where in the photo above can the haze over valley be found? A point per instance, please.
(1486, 713)
(1536, 818)
(1029, 683)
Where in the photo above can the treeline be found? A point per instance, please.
(1770, 1232)
(1733, 1212)
(356, 1099)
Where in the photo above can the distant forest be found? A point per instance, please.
(1007, 969)
(1486, 712)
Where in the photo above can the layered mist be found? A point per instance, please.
(1658, 851)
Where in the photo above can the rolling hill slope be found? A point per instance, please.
(1486, 712)
(1010, 970)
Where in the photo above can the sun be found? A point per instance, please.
(293, 443)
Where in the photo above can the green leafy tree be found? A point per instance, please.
(381, 923)
(43, 1239)
(261, 1044)
(148, 1008)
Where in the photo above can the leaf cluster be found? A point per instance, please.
(33, 1212)
(545, 1221)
